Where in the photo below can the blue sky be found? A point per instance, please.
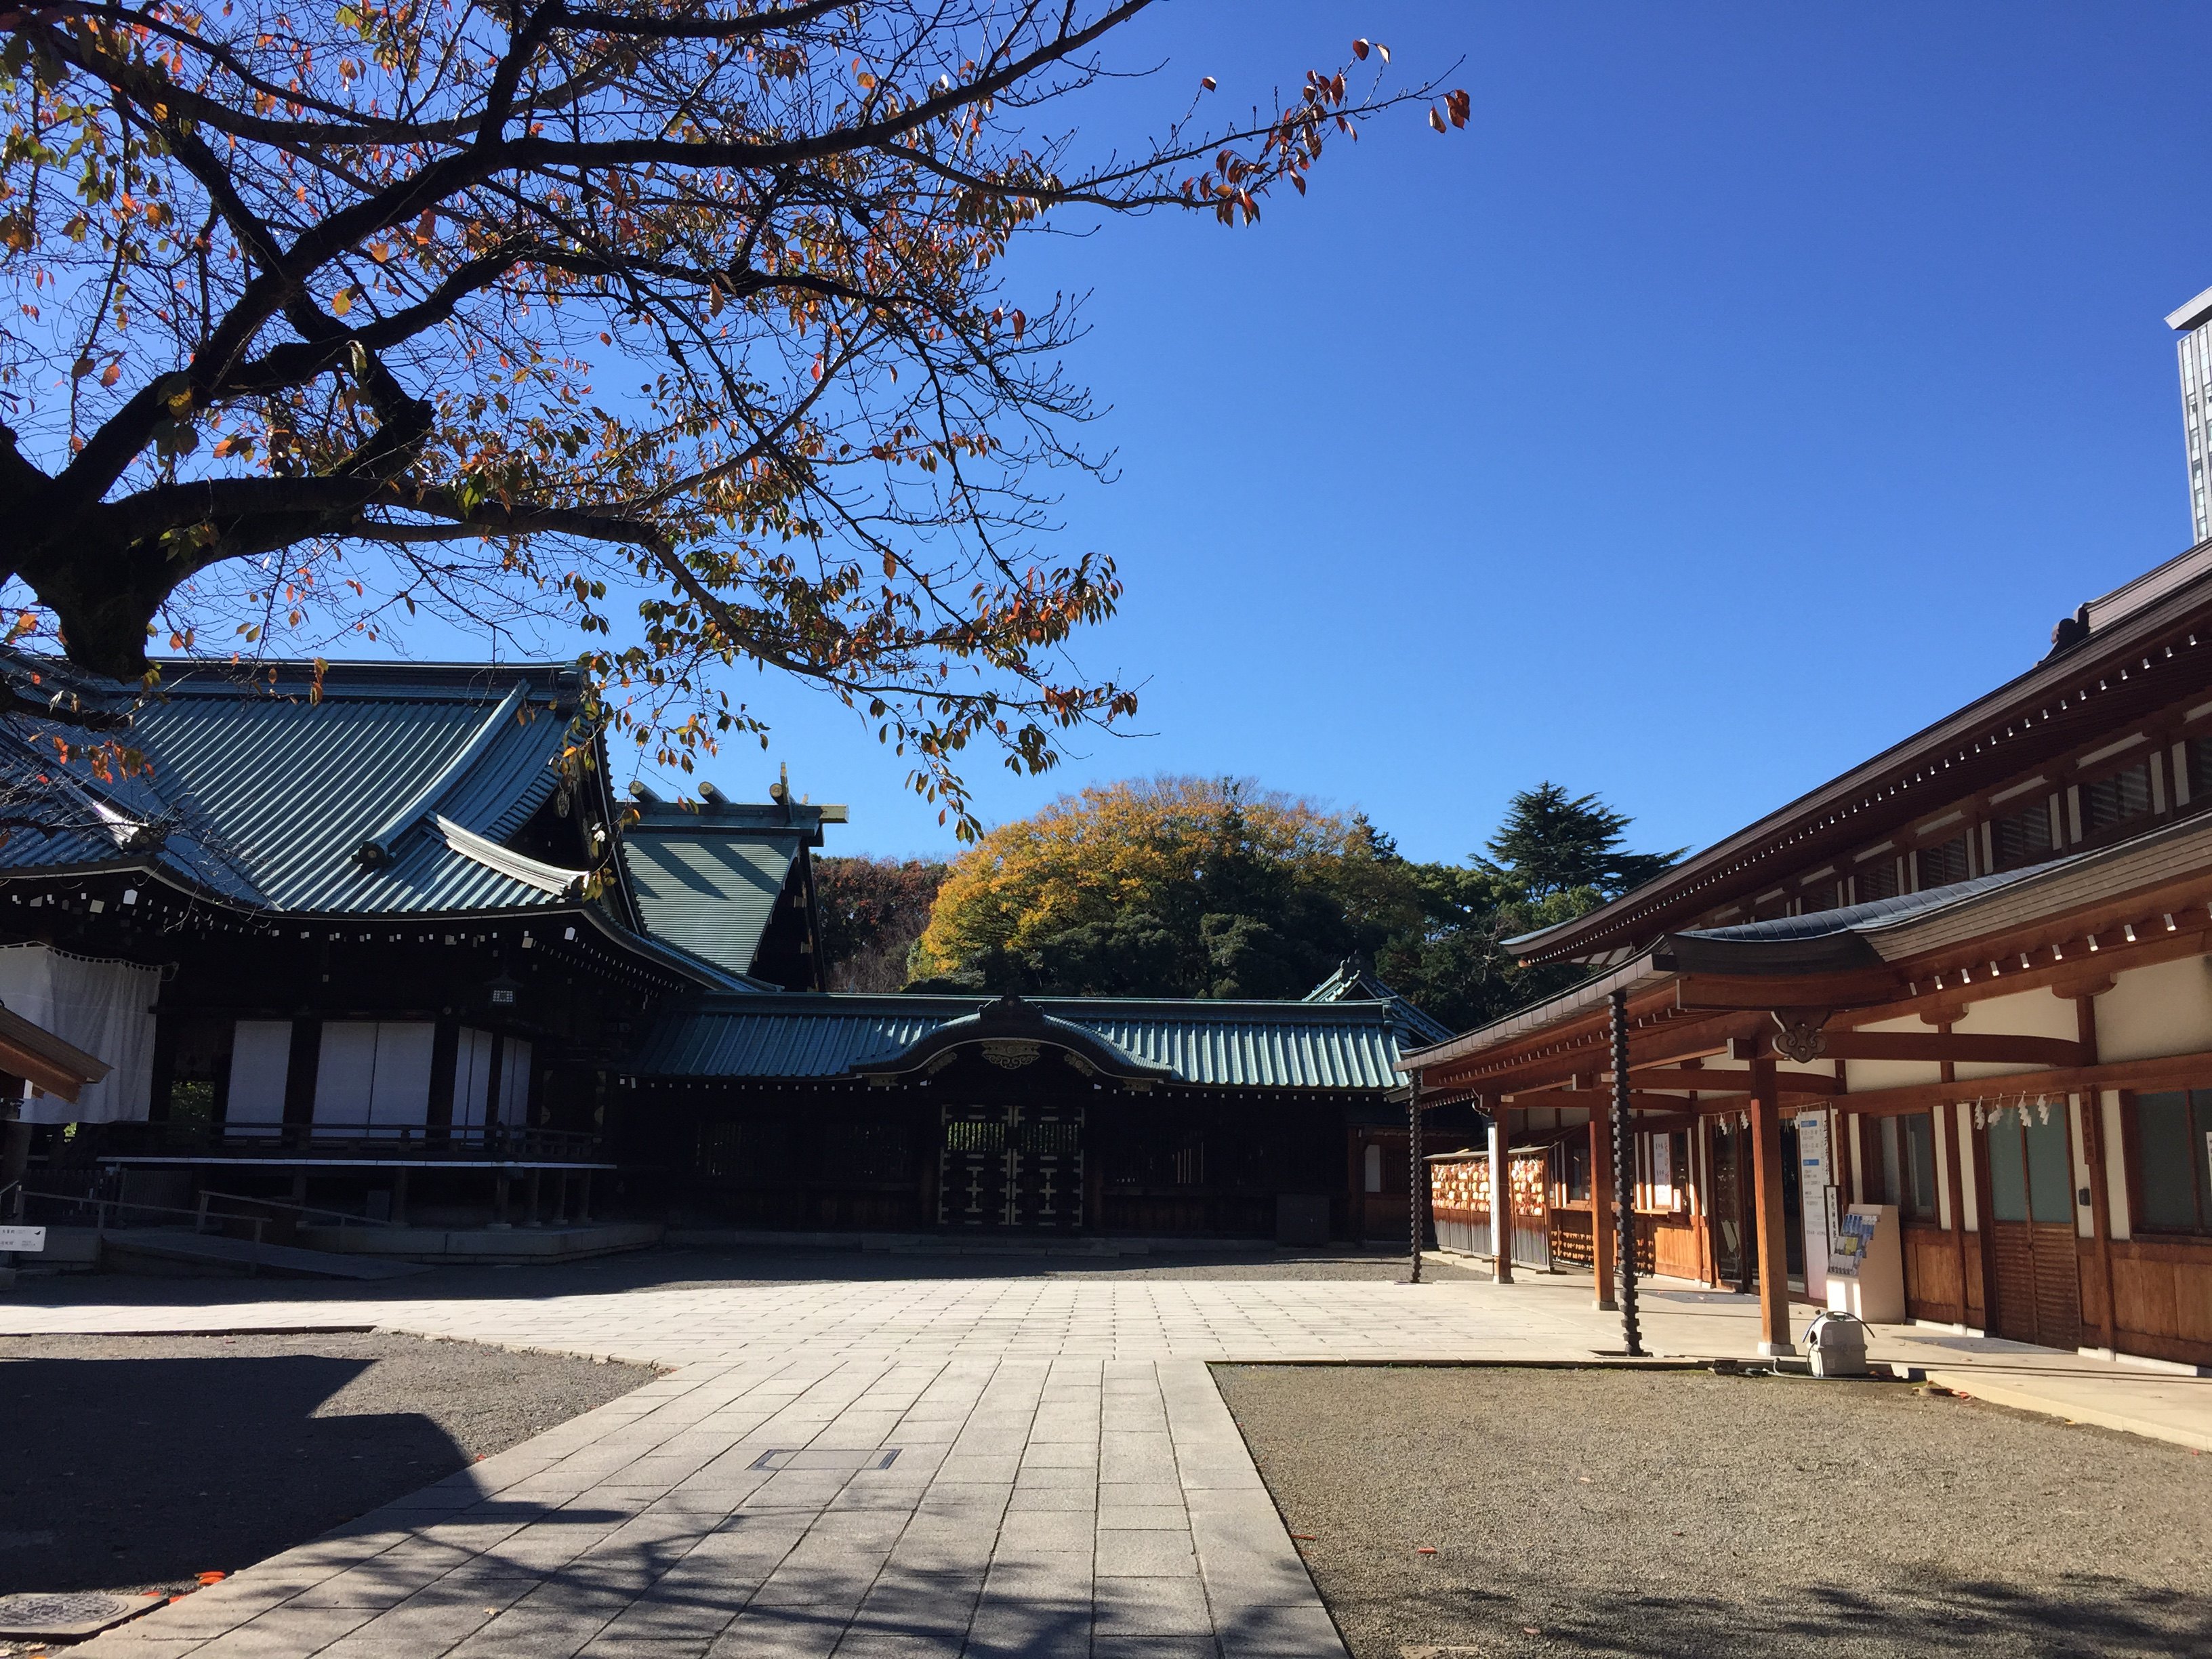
(1746, 387)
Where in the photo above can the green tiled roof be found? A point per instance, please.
(1350, 1045)
(709, 893)
(272, 795)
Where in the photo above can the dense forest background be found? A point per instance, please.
(1206, 887)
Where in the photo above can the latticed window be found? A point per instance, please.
(1944, 863)
(2023, 837)
(1875, 879)
(2200, 768)
(1055, 1135)
(870, 1152)
(2173, 1156)
(2117, 799)
(1575, 1169)
(1904, 1172)
(977, 1134)
(751, 1152)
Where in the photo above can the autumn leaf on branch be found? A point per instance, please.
(671, 330)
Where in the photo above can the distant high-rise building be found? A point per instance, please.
(2194, 321)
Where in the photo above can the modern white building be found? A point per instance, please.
(2194, 323)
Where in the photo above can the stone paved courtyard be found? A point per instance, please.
(1067, 1481)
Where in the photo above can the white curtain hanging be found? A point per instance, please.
(101, 1006)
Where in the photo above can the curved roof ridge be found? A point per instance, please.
(1009, 1020)
(1876, 913)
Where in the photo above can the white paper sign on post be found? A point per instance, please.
(29, 1240)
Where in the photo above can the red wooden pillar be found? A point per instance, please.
(1770, 1224)
(1501, 1195)
(1600, 1190)
(2093, 1149)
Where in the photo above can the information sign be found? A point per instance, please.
(1849, 1241)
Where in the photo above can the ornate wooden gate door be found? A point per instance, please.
(1011, 1166)
(2031, 1237)
(1046, 1167)
(972, 1167)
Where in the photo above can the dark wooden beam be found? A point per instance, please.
(1960, 1049)
(1733, 1083)
(2171, 1071)
(1599, 1101)
(1717, 992)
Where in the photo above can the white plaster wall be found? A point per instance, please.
(1961, 1124)
(2085, 1221)
(2116, 1175)
(1892, 1074)
(2027, 1013)
(2165, 1009)
(1945, 1199)
(1819, 1068)
(1733, 1079)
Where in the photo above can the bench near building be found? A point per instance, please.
(368, 968)
(1963, 990)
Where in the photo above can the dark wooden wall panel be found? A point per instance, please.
(1931, 1274)
(2161, 1297)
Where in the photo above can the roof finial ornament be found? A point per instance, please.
(2070, 632)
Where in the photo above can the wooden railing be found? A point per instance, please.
(498, 1142)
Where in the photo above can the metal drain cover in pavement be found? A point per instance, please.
(59, 1615)
(830, 1457)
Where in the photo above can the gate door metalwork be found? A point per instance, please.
(1047, 1186)
(973, 1164)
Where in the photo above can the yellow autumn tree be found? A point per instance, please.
(1170, 885)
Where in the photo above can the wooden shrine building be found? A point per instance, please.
(357, 947)
(364, 930)
(1968, 983)
(1261, 1120)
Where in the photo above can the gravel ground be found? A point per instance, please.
(1681, 1513)
(136, 1462)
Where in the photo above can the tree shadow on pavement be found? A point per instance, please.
(142, 1473)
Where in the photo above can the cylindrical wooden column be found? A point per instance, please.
(2091, 1106)
(1501, 1198)
(1417, 1176)
(1770, 1224)
(1623, 1182)
(1601, 1189)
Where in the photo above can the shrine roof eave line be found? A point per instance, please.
(2163, 620)
(667, 958)
(1640, 977)
(1865, 957)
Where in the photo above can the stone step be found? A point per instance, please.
(212, 1253)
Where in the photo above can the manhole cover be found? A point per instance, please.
(830, 1457)
(54, 1615)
